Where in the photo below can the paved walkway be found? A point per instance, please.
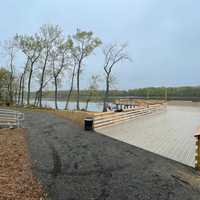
(73, 164)
(170, 134)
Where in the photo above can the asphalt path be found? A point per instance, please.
(73, 164)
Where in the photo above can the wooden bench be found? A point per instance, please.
(10, 118)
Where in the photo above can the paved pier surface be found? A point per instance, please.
(170, 134)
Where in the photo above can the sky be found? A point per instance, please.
(163, 36)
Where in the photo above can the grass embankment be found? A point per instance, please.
(16, 178)
(74, 116)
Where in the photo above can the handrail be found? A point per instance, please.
(112, 117)
(128, 112)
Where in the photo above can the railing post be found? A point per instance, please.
(197, 152)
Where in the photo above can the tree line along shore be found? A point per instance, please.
(49, 57)
(171, 93)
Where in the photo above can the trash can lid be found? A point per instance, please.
(89, 119)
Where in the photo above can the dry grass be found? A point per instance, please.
(75, 116)
(16, 179)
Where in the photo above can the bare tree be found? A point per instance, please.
(73, 74)
(22, 84)
(20, 88)
(113, 55)
(37, 97)
(32, 47)
(9, 49)
(60, 60)
(84, 45)
(16, 87)
(56, 70)
(50, 36)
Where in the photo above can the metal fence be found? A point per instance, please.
(10, 118)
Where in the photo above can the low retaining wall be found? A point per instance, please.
(110, 118)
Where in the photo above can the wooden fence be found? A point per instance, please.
(197, 153)
(110, 118)
(10, 118)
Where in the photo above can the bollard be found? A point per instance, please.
(197, 152)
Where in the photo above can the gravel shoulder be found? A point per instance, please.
(73, 164)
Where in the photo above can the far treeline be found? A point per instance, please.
(48, 58)
(167, 93)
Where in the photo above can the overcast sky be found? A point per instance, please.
(163, 36)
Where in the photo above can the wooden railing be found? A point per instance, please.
(137, 102)
(197, 153)
(10, 118)
(110, 118)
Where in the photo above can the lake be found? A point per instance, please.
(92, 106)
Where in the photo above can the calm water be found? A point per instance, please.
(92, 106)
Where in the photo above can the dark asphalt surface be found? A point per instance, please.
(76, 165)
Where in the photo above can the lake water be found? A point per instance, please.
(92, 106)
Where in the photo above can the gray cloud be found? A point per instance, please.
(163, 36)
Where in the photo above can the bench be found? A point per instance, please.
(10, 118)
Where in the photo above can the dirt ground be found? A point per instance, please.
(76, 165)
(16, 179)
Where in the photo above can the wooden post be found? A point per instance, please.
(117, 106)
(197, 153)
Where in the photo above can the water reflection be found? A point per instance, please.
(92, 106)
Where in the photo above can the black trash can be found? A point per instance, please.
(89, 124)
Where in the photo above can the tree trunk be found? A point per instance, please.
(56, 93)
(15, 95)
(36, 98)
(68, 98)
(78, 92)
(87, 102)
(11, 80)
(42, 79)
(71, 88)
(106, 94)
(30, 75)
(22, 102)
(20, 89)
(29, 84)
